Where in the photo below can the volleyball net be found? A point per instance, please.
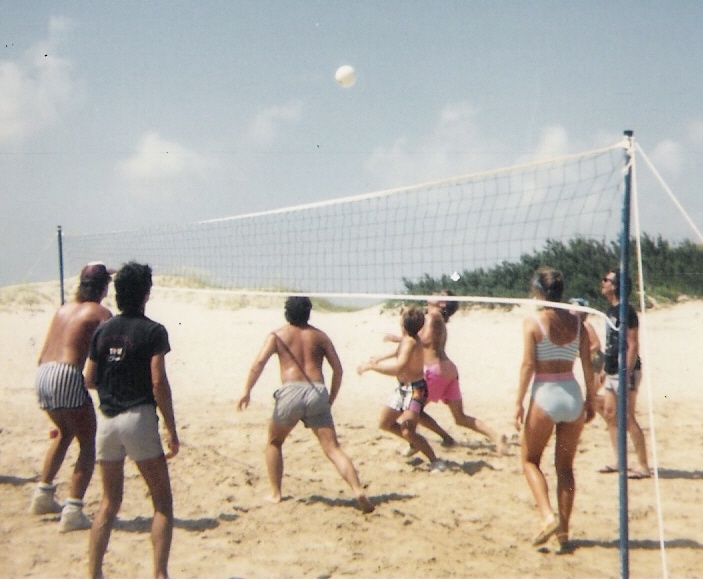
(368, 245)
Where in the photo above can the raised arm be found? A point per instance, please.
(400, 358)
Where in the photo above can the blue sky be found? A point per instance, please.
(122, 115)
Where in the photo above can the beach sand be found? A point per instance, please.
(474, 520)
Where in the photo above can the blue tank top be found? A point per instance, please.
(548, 351)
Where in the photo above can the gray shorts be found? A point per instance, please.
(60, 385)
(309, 402)
(612, 382)
(133, 433)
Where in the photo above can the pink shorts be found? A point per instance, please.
(441, 387)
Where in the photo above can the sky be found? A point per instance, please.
(124, 115)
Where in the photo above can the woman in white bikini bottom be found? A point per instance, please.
(559, 395)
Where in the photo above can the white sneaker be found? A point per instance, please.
(73, 518)
(438, 466)
(43, 501)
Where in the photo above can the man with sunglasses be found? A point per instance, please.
(610, 289)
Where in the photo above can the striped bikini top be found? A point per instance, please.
(548, 351)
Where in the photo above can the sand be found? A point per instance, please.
(474, 520)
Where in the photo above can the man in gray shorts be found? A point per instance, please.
(126, 364)
(301, 350)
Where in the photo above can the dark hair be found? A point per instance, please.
(297, 310)
(90, 292)
(132, 285)
(413, 320)
(450, 307)
(616, 279)
(550, 283)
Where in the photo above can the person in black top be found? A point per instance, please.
(127, 367)
(610, 288)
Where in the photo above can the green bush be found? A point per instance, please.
(669, 271)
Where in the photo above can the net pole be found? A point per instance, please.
(59, 236)
(624, 290)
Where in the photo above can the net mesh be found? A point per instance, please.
(371, 243)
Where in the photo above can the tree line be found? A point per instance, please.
(670, 270)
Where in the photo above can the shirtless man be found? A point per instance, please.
(62, 394)
(402, 412)
(301, 350)
(442, 376)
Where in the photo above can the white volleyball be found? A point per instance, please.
(345, 76)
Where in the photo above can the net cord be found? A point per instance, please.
(406, 298)
(388, 192)
(668, 191)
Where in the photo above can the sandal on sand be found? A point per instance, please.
(637, 474)
(607, 469)
(547, 531)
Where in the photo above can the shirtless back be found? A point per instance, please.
(434, 337)
(309, 346)
(68, 337)
(62, 394)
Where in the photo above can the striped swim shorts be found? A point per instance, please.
(59, 386)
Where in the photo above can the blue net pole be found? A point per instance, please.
(624, 290)
(59, 235)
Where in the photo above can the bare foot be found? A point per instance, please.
(365, 504)
(275, 499)
(448, 442)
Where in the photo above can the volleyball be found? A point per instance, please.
(345, 76)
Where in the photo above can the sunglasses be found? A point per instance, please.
(610, 279)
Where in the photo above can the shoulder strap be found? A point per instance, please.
(285, 346)
(541, 327)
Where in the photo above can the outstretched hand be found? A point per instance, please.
(243, 402)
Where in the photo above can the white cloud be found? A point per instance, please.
(37, 88)
(452, 147)
(157, 159)
(695, 132)
(667, 157)
(553, 142)
(265, 127)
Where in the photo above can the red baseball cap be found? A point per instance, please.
(96, 272)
